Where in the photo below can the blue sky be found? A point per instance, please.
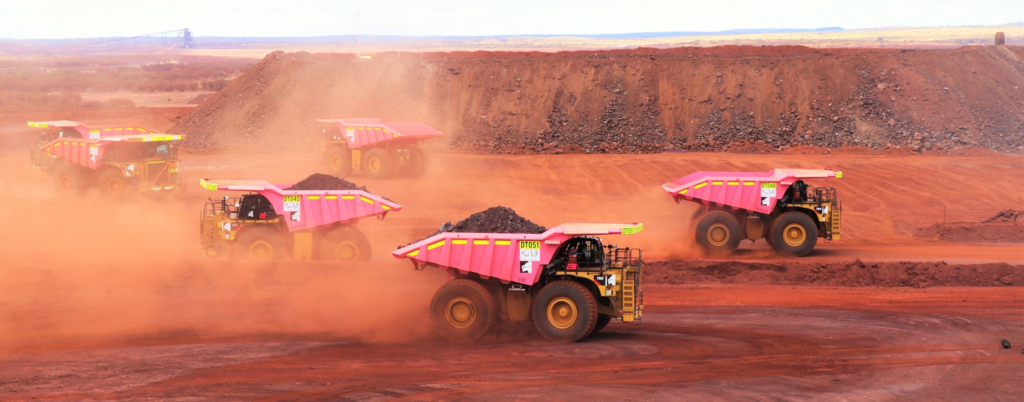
(26, 19)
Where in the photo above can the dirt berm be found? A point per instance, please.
(641, 100)
(916, 274)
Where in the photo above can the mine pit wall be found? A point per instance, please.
(646, 100)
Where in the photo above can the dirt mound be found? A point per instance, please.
(975, 233)
(319, 181)
(1004, 227)
(199, 99)
(762, 99)
(856, 273)
(1007, 216)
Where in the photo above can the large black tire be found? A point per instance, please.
(793, 233)
(463, 311)
(339, 161)
(418, 162)
(114, 185)
(565, 311)
(345, 243)
(260, 244)
(69, 180)
(718, 233)
(377, 163)
(602, 321)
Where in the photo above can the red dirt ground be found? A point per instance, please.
(98, 302)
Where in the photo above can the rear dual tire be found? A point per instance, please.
(718, 233)
(345, 244)
(463, 311)
(378, 164)
(69, 180)
(113, 184)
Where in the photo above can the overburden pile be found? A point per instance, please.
(319, 181)
(728, 98)
(1007, 216)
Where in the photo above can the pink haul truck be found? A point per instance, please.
(567, 279)
(776, 205)
(380, 149)
(270, 223)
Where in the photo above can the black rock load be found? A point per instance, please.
(318, 181)
(494, 220)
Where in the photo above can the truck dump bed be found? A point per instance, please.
(502, 255)
(364, 132)
(751, 191)
(89, 133)
(89, 152)
(307, 209)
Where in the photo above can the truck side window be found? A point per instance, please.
(588, 251)
(255, 207)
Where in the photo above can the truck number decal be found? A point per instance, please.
(768, 189)
(292, 203)
(529, 251)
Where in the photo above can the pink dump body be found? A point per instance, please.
(307, 209)
(502, 255)
(751, 191)
(90, 133)
(365, 132)
(89, 153)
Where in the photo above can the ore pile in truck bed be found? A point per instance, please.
(319, 181)
(497, 219)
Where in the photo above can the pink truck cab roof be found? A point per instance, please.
(91, 133)
(509, 257)
(307, 209)
(362, 132)
(752, 191)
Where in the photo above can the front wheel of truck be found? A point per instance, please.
(793, 233)
(260, 244)
(339, 161)
(463, 311)
(565, 311)
(346, 244)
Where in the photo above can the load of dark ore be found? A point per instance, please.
(319, 181)
(1007, 216)
(497, 219)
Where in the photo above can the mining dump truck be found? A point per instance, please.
(380, 149)
(566, 278)
(269, 223)
(119, 161)
(776, 205)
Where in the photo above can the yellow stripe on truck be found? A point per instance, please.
(436, 245)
